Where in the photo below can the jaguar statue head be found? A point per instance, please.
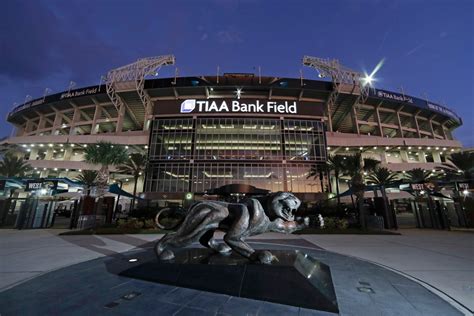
(282, 205)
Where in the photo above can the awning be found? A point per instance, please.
(237, 188)
(69, 195)
(114, 188)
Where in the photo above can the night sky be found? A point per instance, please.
(427, 45)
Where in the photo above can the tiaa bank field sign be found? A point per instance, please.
(238, 106)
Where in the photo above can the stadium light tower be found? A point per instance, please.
(133, 76)
(343, 79)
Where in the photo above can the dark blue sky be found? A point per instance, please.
(428, 45)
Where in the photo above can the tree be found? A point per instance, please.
(336, 164)
(382, 177)
(464, 162)
(135, 166)
(354, 165)
(419, 175)
(105, 154)
(88, 178)
(370, 164)
(12, 166)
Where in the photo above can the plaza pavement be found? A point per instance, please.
(442, 261)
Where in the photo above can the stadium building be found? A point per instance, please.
(204, 132)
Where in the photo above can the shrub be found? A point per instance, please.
(131, 223)
(330, 222)
(149, 224)
(335, 223)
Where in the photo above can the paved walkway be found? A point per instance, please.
(441, 259)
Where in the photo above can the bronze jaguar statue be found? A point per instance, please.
(251, 216)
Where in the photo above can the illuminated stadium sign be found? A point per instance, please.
(243, 106)
(420, 103)
(394, 96)
(238, 106)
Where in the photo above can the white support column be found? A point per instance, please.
(328, 109)
(400, 128)
(44, 173)
(95, 126)
(20, 130)
(67, 153)
(431, 128)
(444, 131)
(417, 125)
(75, 118)
(56, 123)
(379, 123)
(42, 121)
(121, 114)
(49, 154)
(404, 155)
(421, 156)
(436, 156)
(28, 125)
(355, 120)
(33, 153)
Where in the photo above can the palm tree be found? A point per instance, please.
(316, 172)
(135, 166)
(464, 162)
(354, 165)
(105, 154)
(370, 164)
(382, 177)
(336, 164)
(419, 175)
(88, 178)
(12, 166)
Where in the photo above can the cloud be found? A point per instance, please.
(413, 50)
(229, 36)
(204, 37)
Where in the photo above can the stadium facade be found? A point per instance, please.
(207, 131)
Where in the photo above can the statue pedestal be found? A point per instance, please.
(293, 278)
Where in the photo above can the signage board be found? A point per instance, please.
(33, 185)
(462, 186)
(38, 184)
(239, 106)
(420, 103)
(427, 186)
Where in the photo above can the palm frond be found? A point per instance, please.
(106, 154)
(135, 165)
(12, 166)
(382, 176)
(88, 177)
(419, 175)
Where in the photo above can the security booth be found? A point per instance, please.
(36, 202)
(438, 205)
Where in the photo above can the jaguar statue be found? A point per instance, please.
(251, 216)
